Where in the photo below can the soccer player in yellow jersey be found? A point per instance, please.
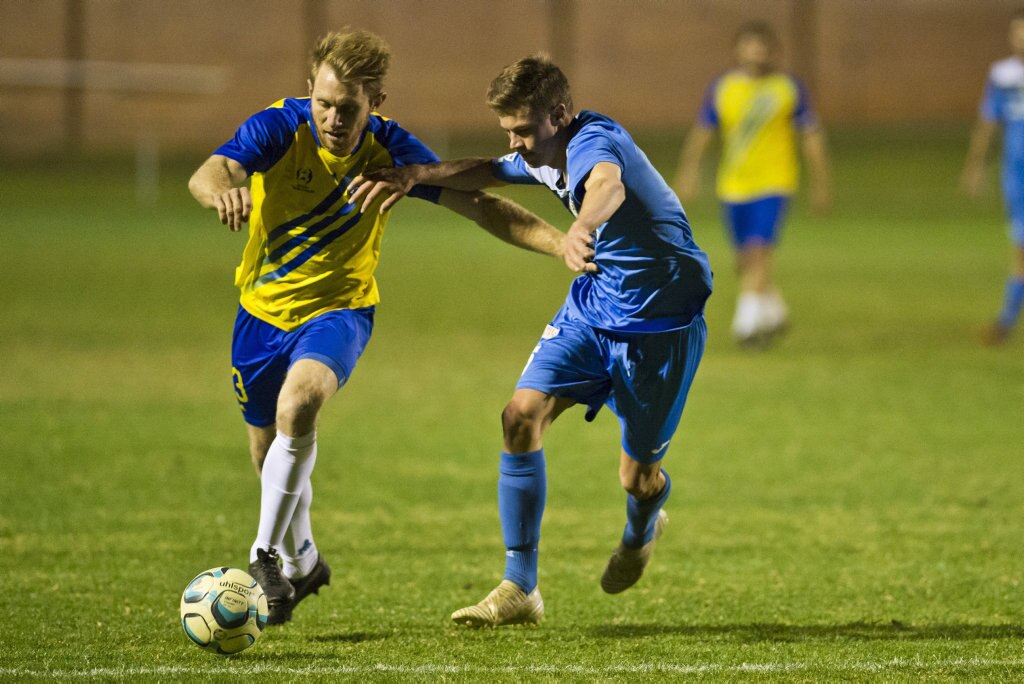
(758, 111)
(306, 277)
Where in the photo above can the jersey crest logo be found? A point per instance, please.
(303, 176)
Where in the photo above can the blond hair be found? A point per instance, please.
(358, 56)
(534, 83)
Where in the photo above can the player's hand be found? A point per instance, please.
(971, 180)
(234, 207)
(688, 187)
(395, 182)
(821, 200)
(579, 249)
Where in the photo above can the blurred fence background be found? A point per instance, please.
(118, 75)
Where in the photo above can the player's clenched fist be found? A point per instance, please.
(234, 207)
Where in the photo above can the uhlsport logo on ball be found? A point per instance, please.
(223, 610)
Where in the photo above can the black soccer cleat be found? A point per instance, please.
(319, 576)
(280, 592)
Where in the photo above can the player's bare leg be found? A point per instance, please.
(521, 491)
(285, 479)
(647, 484)
(260, 439)
(760, 310)
(999, 331)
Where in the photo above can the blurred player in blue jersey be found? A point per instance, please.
(306, 278)
(758, 111)
(630, 334)
(1003, 104)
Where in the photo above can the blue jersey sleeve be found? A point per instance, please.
(803, 113)
(405, 149)
(708, 116)
(262, 140)
(589, 147)
(990, 109)
(512, 169)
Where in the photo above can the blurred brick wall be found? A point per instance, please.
(645, 62)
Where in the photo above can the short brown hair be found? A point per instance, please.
(533, 82)
(354, 56)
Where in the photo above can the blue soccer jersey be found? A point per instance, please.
(1003, 103)
(652, 275)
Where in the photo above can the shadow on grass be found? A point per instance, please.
(351, 638)
(854, 631)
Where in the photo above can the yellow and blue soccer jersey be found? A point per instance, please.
(757, 118)
(310, 251)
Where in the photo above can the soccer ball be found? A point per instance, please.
(223, 610)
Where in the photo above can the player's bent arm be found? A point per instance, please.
(687, 181)
(505, 220)
(215, 185)
(467, 175)
(816, 154)
(605, 194)
(974, 165)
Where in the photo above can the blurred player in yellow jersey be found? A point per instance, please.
(759, 112)
(307, 287)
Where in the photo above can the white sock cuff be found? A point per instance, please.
(295, 443)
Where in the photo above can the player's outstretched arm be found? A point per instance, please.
(605, 194)
(470, 174)
(217, 185)
(687, 182)
(816, 153)
(506, 220)
(974, 166)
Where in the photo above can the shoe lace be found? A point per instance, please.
(269, 568)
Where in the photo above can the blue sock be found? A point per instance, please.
(641, 516)
(522, 491)
(1012, 302)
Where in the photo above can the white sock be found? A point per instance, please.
(285, 474)
(775, 311)
(747, 320)
(298, 553)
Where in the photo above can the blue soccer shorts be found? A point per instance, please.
(1013, 198)
(261, 355)
(643, 378)
(757, 222)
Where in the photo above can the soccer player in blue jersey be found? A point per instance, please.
(759, 112)
(630, 334)
(306, 278)
(1003, 104)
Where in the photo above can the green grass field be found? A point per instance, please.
(847, 506)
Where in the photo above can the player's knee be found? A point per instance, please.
(641, 482)
(297, 411)
(519, 420)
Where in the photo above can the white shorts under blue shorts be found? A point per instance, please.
(642, 377)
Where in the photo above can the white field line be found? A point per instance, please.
(438, 669)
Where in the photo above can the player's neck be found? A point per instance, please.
(757, 70)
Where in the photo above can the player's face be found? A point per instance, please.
(754, 54)
(340, 111)
(533, 136)
(1017, 36)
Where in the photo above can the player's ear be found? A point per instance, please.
(558, 114)
(310, 84)
(376, 102)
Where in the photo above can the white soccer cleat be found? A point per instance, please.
(507, 604)
(626, 566)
